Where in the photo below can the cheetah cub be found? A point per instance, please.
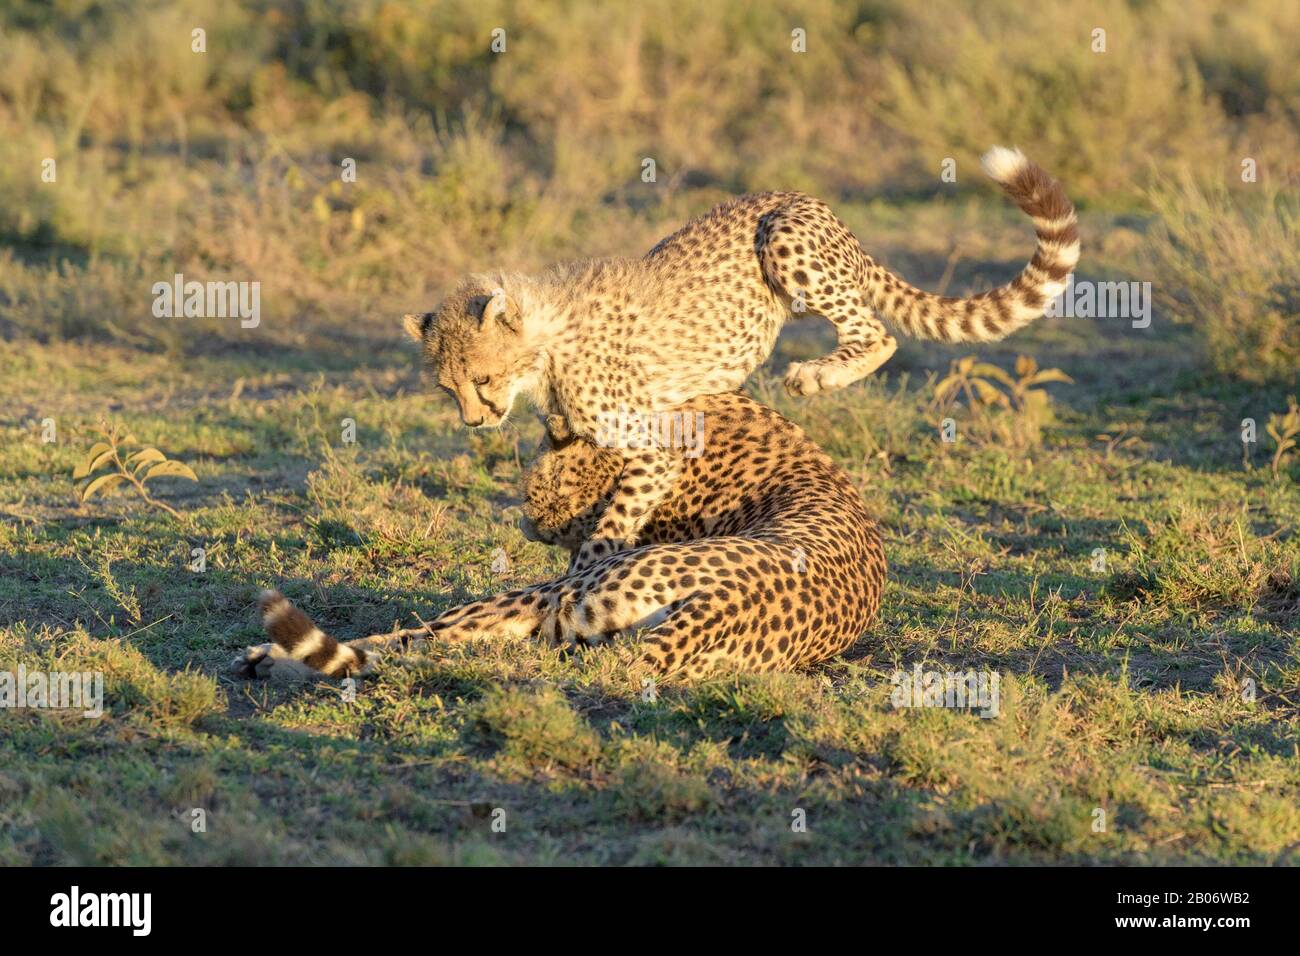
(761, 557)
(599, 339)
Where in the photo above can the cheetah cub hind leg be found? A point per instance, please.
(816, 264)
(838, 370)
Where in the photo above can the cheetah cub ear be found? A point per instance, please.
(505, 310)
(417, 324)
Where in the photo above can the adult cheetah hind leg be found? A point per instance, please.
(299, 650)
(513, 614)
(682, 629)
(625, 596)
(686, 643)
(811, 258)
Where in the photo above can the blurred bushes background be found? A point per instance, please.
(226, 163)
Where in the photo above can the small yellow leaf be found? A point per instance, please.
(171, 469)
(944, 387)
(86, 466)
(988, 393)
(1049, 375)
(101, 483)
(101, 461)
(993, 372)
(144, 457)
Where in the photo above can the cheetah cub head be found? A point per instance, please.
(475, 347)
(567, 487)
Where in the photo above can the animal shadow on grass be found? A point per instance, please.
(1050, 624)
(177, 618)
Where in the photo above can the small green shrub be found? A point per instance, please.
(115, 465)
(535, 729)
(1003, 409)
(1229, 266)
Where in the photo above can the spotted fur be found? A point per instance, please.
(702, 310)
(762, 556)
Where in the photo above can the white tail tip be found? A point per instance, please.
(1002, 164)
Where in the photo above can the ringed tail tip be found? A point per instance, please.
(1003, 164)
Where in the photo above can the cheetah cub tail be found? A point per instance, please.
(298, 647)
(995, 314)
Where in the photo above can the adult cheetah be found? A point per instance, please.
(695, 316)
(762, 557)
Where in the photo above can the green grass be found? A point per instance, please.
(1125, 685)
(1121, 690)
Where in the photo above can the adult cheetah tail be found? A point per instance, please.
(995, 314)
(295, 634)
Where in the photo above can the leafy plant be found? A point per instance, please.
(136, 469)
(1120, 440)
(1284, 429)
(1002, 407)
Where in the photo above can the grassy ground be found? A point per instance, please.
(1120, 560)
(1122, 688)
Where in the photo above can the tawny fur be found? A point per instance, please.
(762, 557)
(702, 310)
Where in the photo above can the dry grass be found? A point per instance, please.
(1227, 262)
(1124, 684)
